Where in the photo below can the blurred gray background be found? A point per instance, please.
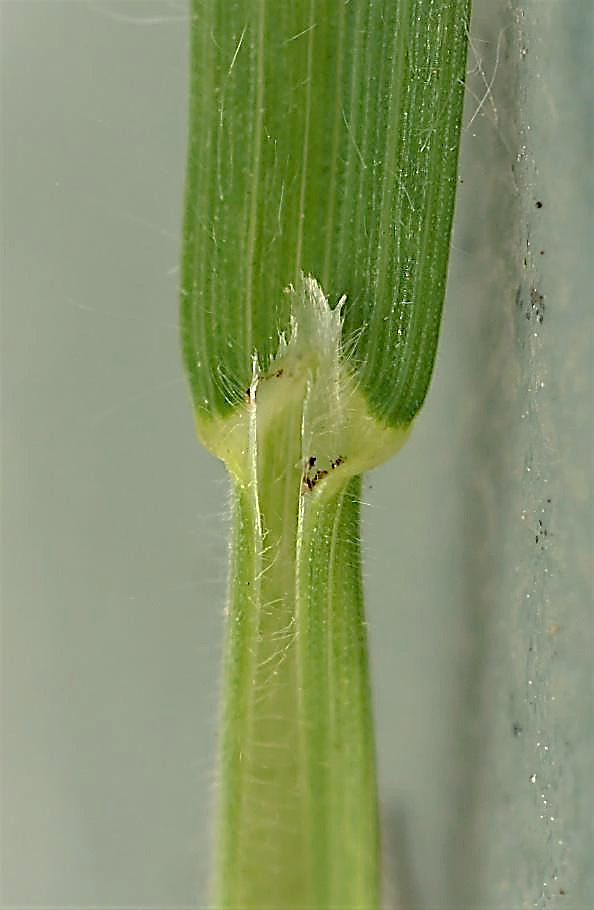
(478, 536)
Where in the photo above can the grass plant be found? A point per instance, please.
(323, 144)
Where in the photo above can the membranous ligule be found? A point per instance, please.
(310, 387)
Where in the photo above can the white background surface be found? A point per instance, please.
(114, 528)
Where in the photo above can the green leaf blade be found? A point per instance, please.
(324, 140)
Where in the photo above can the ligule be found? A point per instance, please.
(310, 372)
